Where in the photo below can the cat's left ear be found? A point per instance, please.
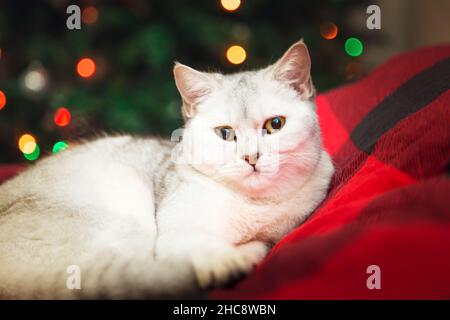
(294, 69)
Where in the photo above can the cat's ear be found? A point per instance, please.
(194, 86)
(294, 69)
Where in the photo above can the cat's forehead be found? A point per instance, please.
(242, 84)
(246, 99)
(241, 93)
(248, 95)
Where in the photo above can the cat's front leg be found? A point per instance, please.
(215, 262)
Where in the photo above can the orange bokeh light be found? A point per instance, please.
(89, 15)
(86, 67)
(328, 30)
(62, 117)
(2, 100)
(236, 54)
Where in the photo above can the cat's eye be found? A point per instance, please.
(274, 124)
(226, 133)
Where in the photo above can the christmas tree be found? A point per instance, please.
(115, 73)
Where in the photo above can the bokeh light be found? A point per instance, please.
(353, 47)
(86, 67)
(236, 54)
(2, 100)
(230, 5)
(328, 30)
(89, 15)
(33, 155)
(27, 143)
(29, 147)
(35, 80)
(62, 117)
(60, 146)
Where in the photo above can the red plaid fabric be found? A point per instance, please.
(8, 171)
(389, 203)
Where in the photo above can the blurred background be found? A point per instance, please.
(115, 73)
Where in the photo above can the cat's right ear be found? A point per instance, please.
(194, 86)
(294, 69)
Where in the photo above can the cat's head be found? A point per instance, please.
(255, 132)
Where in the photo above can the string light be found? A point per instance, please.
(236, 54)
(60, 146)
(62, 117)
(35, 80)
(86, 67)
(353, 47)
(33, 155)
(328, 30)
(89, 15)
(29, 147)
(230, 5)
(2, 100)
(27, 143)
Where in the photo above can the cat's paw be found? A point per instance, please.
(219, 266)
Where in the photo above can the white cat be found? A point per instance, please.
(140, 220)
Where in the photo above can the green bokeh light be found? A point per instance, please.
(353, 47)
(59, 146)
(33, 155)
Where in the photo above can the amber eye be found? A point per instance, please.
(226, 133)
(274, 124)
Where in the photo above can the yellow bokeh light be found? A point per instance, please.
(29, 147)
(27, 143)
(236, 54)
(230, 5)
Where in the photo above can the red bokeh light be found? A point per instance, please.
(89, 15)
(2, 100)
(328, 30)
(62, 117)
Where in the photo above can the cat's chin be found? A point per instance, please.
(270, 184)
(257, 184)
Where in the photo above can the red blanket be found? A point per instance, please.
(386, 220)
(389, 203)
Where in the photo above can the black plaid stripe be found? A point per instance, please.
(410, 97)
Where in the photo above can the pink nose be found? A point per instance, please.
(251, 159)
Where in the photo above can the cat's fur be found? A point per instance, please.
(140, 224)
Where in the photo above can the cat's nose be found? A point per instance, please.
(251, 159)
